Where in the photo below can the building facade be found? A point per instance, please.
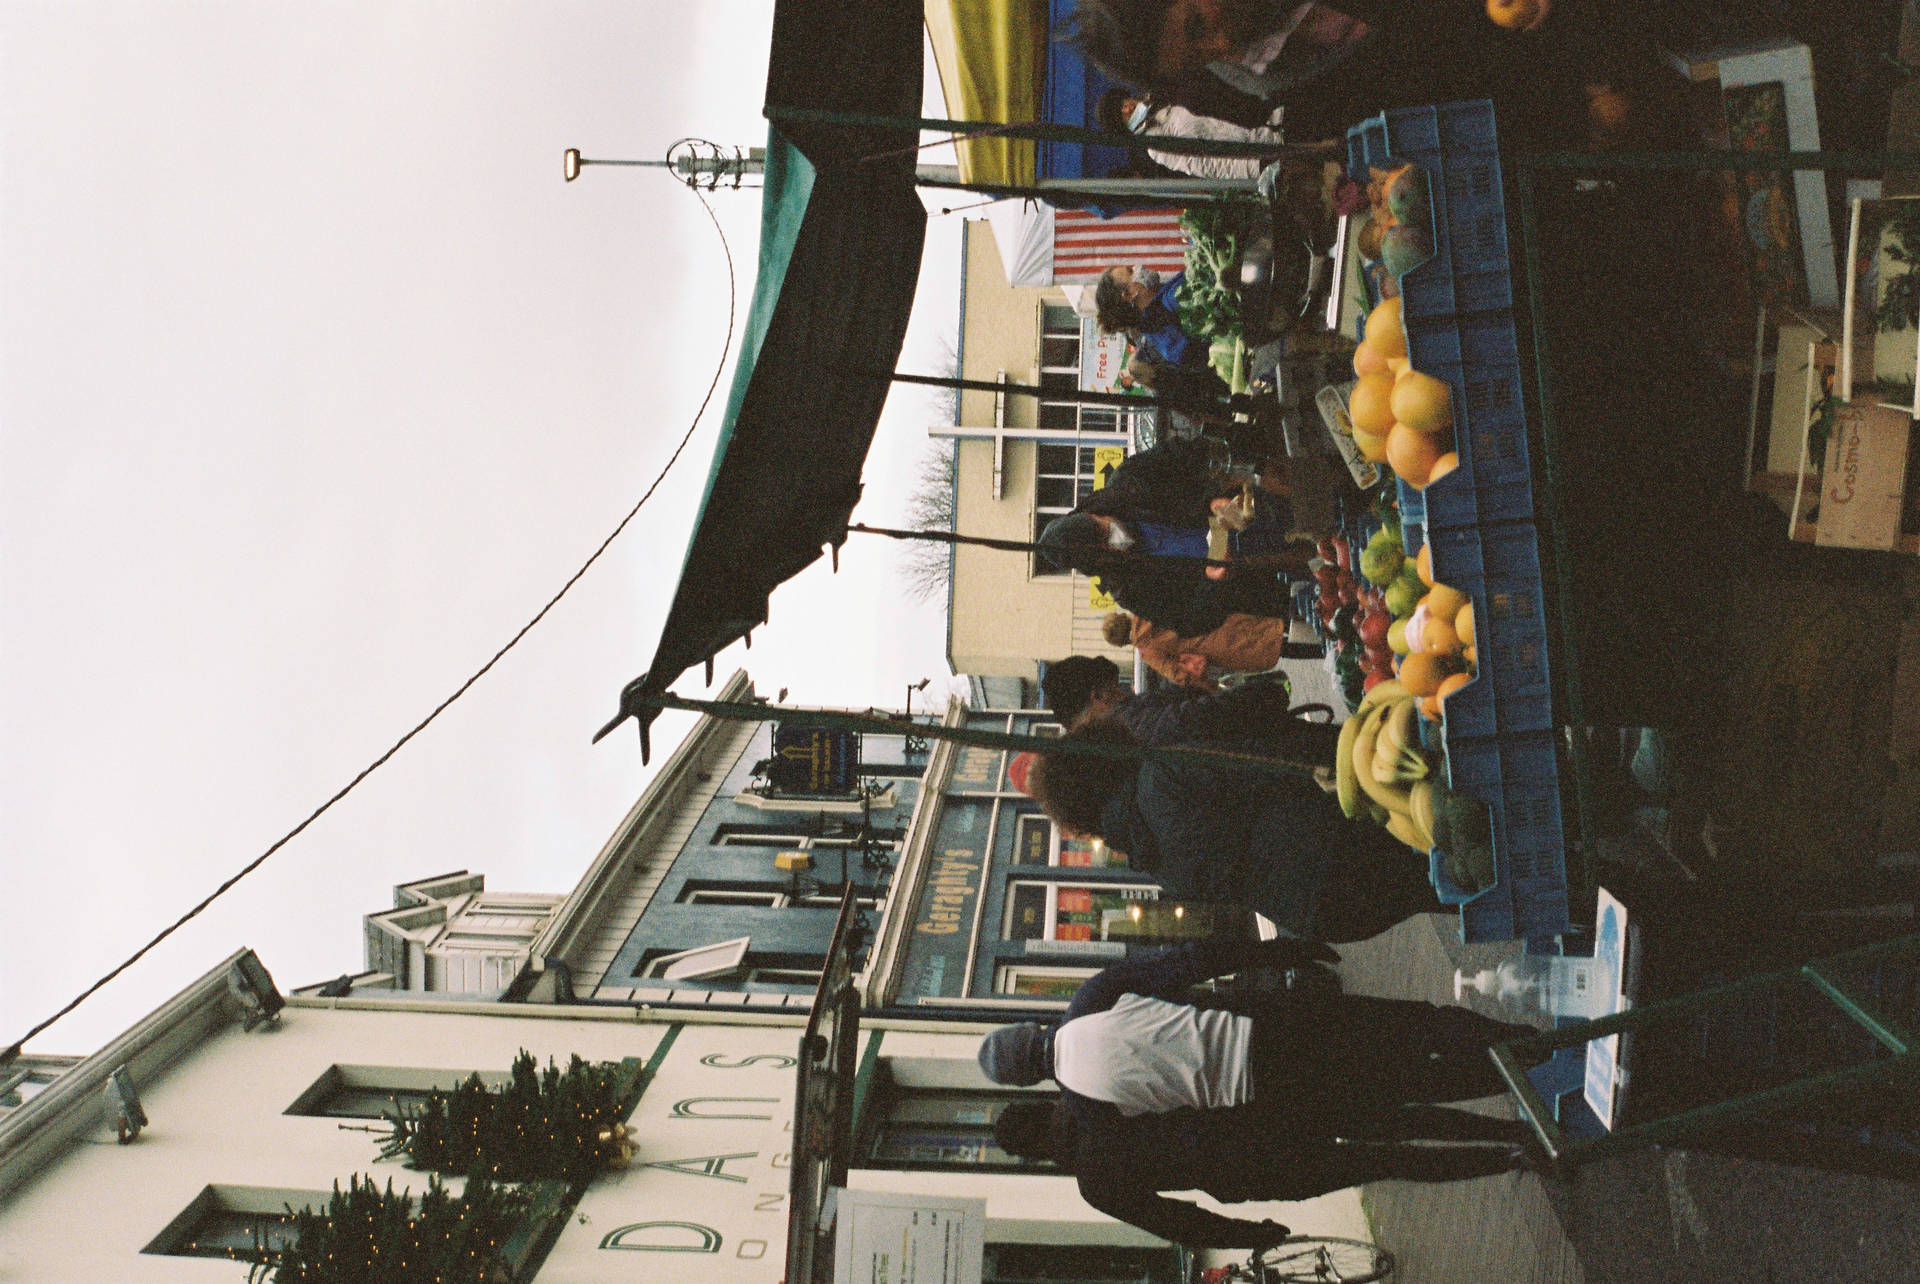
(686, 952)
(1020, 463)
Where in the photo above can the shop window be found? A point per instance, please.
(1112, 912)
(942, 1129)
(1035, 982)
(1038, 841)
(1074, 911)
(377, 1092)
(235, 1223)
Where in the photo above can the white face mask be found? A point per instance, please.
(1148, 277)
(1118, 539)
(1138, 120)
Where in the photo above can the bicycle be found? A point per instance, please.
(1307, 1259)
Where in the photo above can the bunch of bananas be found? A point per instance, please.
(1382, 772)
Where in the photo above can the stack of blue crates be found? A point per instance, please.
(1458, 309)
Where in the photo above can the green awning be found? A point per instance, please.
(841, 234)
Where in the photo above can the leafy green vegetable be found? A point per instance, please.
(1208, 308)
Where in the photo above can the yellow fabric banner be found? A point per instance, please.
(990, 55)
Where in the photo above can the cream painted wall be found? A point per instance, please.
(218, 1117)
(1005, 620)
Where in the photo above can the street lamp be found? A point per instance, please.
(694, 161)
(910, 743)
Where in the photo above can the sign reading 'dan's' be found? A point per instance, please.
(888, 1237)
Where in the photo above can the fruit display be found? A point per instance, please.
(1384, 775)
(1402, 417)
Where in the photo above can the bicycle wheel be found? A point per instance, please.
(1323, 1261)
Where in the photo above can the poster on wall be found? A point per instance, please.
(890, 1237)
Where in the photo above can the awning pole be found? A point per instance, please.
(1124, 400)
(1046, 132)
(880, 724)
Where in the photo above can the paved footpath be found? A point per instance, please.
(1654, 1217)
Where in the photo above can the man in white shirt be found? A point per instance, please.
(1315, 1064)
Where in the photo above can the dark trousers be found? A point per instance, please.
(1350, 1065)
(1301, 1172)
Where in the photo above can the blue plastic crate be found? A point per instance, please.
(1456, 147)
(1479, 358)
(1518, 777)
(1498, 568)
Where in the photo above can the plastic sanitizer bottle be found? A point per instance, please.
(1554, 985)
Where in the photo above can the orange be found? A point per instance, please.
(1423, 402)
(1440, 637)
(1430, 705)
(1444, 602)
(1422, 673)
(1368, 359)
(1367, 404)
(1450, 684)
(1411, 453)
(1518, 15)
(1372, 446)
(1385, 329)
(1443, 465)
(1471, 655)
(1398, 367)
(1423, 564)
(1463, 624)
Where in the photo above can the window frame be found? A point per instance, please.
(733, 951)
(218, 1199)
(885, 1094)
(410, 1080)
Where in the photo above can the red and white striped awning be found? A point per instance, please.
(1044, 246)
(1084, 245)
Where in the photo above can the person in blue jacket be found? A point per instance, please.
(1276, 1095)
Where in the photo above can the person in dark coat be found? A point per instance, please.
(1145, 535)
(1080, 688)
(1277, 844)
(1278, 1095)
(1326, 66)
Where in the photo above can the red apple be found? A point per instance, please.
(1372, 680)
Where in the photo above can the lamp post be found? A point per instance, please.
(693, 161)
(910, 743)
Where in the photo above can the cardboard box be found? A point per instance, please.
(1766, 92)
(1865, 480)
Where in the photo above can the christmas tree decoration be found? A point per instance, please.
(366, 1235)
(540, 1125)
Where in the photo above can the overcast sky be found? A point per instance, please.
(315, 382)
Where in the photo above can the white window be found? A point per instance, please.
(731, 896)
(707, 963)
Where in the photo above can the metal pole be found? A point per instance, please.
(883, 724)
(1041, 131)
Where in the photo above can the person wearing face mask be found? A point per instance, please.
(1145, 534)
(1120, 111)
